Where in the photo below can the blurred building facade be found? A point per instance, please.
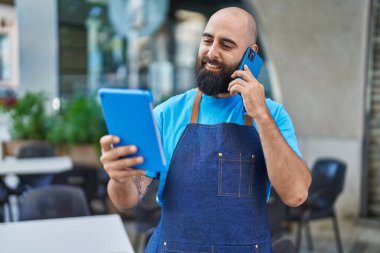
(9, 48)
(320, 54)
(316, 64)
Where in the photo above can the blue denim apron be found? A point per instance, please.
(215, 193)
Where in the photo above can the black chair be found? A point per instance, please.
(91, 180)
(4, 192)
(149, 233)
(276, 210)
(34, 150)
(53, 201)
(283, 245)
(328, 181)
(147, 216)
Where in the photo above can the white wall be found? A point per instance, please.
(318, 49)
(38, 29)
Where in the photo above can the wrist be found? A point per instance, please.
(263, 115)
(119, 184)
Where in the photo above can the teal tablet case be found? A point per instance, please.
(129, 114)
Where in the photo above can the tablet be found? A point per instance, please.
(128, 114)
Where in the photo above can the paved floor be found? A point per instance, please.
(355, 238)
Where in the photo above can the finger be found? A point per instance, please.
(240, 73)
(251, 76)
(246, 68)
(237, 81)
(107, 141)
(136, 172)
(237, 88)
(123, 164)
(128, 172)
(118, 152)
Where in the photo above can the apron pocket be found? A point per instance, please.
(235, 174)
(173, 247)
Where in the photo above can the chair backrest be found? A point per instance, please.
(53, 201)
(276, 210)
(34, 150)
(37, 149)
(148, 211)
(82, 176)
(328, 176)
(283, 245)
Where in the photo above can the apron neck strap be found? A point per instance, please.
(248, 120)
(196, 105)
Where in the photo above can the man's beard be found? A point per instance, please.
(213, 83)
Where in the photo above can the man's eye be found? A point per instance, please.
(207, 41)
(228, 46)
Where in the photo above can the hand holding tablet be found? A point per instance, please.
(129, 116)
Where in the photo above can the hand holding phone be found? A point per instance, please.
(254, 63)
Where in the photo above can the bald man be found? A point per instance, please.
(223, 160)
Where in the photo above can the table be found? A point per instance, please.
(95, 234)
(33, 166)
(11, 168)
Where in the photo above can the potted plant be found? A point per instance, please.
(77, 128)
(28, 122)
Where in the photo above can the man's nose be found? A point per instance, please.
(213, 52)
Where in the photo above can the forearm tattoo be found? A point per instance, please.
(142, 183)
(137, 181)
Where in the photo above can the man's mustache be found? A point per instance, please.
(211, 61)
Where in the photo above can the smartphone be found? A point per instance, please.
(254, 63)
(252, 60)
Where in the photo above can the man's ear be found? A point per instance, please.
(255, 47)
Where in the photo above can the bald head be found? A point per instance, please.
(227, 35)
(239, 17)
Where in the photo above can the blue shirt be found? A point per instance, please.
(173, 115)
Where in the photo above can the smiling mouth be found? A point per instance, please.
(212, 67)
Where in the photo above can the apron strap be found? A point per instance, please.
(248, 120)
(195, 110)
